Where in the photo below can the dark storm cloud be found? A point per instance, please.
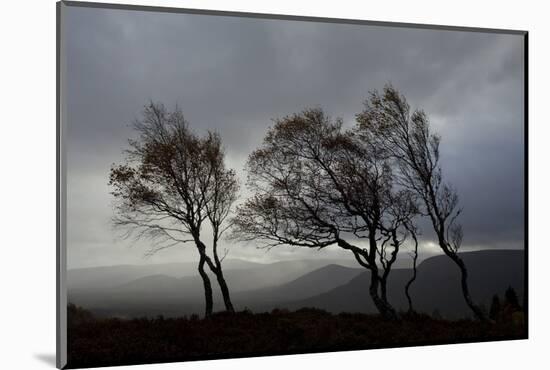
(234, 74)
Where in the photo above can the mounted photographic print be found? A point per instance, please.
(236, 185)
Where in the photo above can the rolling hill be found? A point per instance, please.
(437, 286)
(309, 283)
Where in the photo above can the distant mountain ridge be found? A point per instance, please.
(101, 277)
(172, 296)
(104, 277)
(309, 284)
(437, 286)
(316, 283)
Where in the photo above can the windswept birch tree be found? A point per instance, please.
(172, 185)
(316, 185)
(406, 135)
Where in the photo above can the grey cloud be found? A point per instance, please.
(234, 75)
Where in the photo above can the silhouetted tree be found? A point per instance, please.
(511, 299)
(406, 135)
(413, 232)
(494, 311)
(401, 209)
(316, 185)
(220, 187)
(173, 182)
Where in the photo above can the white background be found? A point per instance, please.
(27, 185)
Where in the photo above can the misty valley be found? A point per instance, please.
(174, 290)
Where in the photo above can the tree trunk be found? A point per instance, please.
(225, 290)
(383, 290)
(217, 270)
(413, 278)
(383, 306)
(408, 285)
(219, 274)
(464, 282)
(388, 265)
(209, 302)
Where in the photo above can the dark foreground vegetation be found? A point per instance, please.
(106, 342)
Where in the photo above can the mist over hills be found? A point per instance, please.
(310, 284)
(437, 286)
(97, 278)
(244, 275)
(175, 290)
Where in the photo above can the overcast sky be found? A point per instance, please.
(234, 75)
